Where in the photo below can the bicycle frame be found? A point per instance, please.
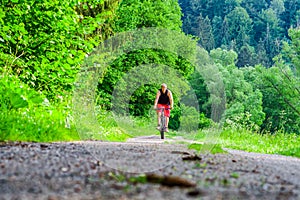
(163, 127)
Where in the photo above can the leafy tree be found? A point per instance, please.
(134, 14)
(291, 51)
(280, 101)
(270, 21)
(244, 103)
(224, 57)
(44, 42)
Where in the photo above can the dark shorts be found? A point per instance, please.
(167, 111)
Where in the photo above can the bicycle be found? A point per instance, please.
(162, 128)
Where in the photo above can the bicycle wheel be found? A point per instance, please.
(162, 126)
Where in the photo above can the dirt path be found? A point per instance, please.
(142, 168)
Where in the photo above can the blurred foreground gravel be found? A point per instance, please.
(141, 169)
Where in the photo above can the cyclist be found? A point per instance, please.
(164, 99)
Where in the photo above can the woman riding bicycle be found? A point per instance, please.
(164, 99)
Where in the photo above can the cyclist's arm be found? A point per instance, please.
(156, 99)
(171, 99)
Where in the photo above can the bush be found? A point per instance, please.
(26, 115)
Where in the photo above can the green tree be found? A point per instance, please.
(217, 27)
(289, 16)
(243, 102)
(239, 26)
(231, 5)
(246, 56)
(203, 31)
(134, 14)
(278, 7)
(44, 42)
(291, 51)
(224, 57)
(262, 56)
(280, 99)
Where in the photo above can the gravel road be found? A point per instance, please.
(143, 168)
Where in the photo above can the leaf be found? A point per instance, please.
(17, 101)
(70, 61)
(37, 99)
(5, 28)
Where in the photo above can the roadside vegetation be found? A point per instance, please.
(44, 44)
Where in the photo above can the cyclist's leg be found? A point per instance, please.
(167, 121)
(167, 114)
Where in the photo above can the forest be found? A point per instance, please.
(254, 45)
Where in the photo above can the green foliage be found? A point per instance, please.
(216, 148)
(15, 95)
(244, 103)
(223, 57)
(239, 26)
(261, 25)
(134, 14)
(280, 98)
(128, 75)
(37, 35)
(277, 143)
(134, 68)
(26, 115)
(203, 30)
(42, 46)
(45, 42)
(291, 52)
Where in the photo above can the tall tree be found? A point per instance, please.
(280, 87)
(239, 26)
(289, 16)
(203, 31)
(278, 7)
(230, 5)
(217, 24)
(262, 57)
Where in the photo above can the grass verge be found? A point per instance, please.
(277, 143)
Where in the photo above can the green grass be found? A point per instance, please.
(277, 143)
(214, 149)
(136, 126)
(48, 125)
(34, 126)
